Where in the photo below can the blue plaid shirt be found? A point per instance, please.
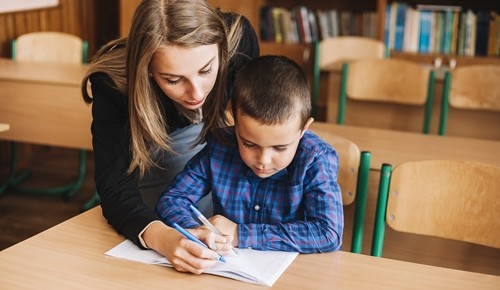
(297, 209)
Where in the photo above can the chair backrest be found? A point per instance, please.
(338, 50)
(349, 158)
(50, 47)
(474, 87)
(347, 48)
(388, 80)
(354, 168)
(451, 199)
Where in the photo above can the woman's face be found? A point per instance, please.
(186, 75)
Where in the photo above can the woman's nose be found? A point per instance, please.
(197, 90)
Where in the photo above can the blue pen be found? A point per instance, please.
(193, 238)
(208, 224)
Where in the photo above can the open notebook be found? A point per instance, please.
(259, 267)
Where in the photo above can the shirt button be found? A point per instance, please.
(256, 207)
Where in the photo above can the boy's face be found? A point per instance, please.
(267, 149)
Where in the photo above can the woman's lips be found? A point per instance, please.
(194, 103)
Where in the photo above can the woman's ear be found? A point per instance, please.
(306, 126)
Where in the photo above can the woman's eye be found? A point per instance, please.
(206, 72)
(248, 145)
(280, 148)
(173, 82)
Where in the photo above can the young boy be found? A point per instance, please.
(273, 182)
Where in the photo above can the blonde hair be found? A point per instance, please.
(156, 23)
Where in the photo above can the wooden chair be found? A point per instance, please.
(451, 199)
(387, 80)
(353, 181)
(47, 47)
(475, 87)
(338, 50)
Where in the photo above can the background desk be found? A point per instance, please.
(71, 256)
(463, 123)
(43, 104)
(394, 147)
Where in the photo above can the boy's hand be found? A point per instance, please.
(220, 244)
(226, 227)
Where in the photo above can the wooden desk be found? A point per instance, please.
(71, 256)
(43, 104)
(394, 147)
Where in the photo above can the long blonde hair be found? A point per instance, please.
(156, 23)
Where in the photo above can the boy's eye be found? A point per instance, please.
(280, 148)
(247, 145)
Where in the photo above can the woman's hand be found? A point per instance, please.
(226, 227)
(183, 254)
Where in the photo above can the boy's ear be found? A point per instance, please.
(306, 126)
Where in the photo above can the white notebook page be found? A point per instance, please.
(260, 267)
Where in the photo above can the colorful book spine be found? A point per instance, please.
(425, 31)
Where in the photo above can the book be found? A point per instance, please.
(425, 31)
(482, 32)
(251, 266)
(399, 28)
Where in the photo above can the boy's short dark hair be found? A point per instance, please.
(271, 89)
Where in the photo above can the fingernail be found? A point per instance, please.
(215, 257)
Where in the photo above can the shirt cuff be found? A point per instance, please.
(143, 243)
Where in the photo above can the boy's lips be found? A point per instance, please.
(262, 171)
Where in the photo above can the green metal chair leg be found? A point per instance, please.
(383, 193)
(93, 201)
(444, 105)
(15, 177)
(428, 105)
(361, 198)
(67, 190)
(342, 95)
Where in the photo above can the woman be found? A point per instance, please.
(155, 95)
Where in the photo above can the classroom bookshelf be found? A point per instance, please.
(273, 20)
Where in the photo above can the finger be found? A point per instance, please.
(200, 253)
(194, 258)
(208, 237)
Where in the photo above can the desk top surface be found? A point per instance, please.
(62, 74)
(394, 147)
(4, 127)
(71, 256)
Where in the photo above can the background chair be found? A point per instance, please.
(450, 199)
(475, 87)
(353, 181)
(47, 47)
(387, 80)
(333, 52)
